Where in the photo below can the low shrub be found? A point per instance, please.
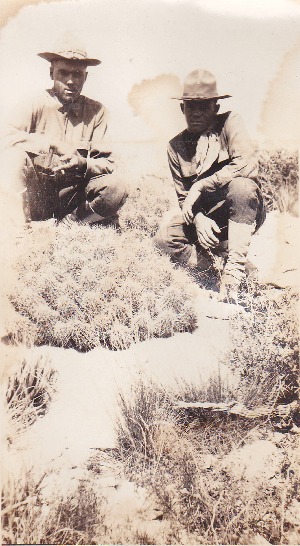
(278, 174)
(89, 287)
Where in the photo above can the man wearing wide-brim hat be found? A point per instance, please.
(56, 163)
(214, 170)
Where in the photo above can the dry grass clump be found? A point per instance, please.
(27, 387)
(141, 419)
(89, 287)
(21, 514)
(278, 174)
(27, 520)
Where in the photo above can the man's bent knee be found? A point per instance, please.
(106, 195)
(172, 240)
(243, 200)
(242, 189)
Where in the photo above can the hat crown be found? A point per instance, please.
(69, 46)
(200, 83)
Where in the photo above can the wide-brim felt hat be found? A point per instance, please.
(69, 48)
(200, 85)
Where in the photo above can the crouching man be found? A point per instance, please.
(55, 163)
(215, 175)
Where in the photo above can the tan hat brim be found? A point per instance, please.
(202, 98)
(54, 56)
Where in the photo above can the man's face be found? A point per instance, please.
(199, 114)
(68, 78)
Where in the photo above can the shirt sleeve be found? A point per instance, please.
(101, 159)
(242, 160)
(179, 182)
(19, 129)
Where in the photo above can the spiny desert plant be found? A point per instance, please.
(96, 287)
(141, 414)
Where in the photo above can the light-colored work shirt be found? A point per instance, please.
(217, 156)
(35, 124)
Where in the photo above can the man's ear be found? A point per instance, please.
(182, 107)
(217, 108)
(86, 75)
(51, 72)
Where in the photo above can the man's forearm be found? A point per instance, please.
(228, 173)
(33, 143)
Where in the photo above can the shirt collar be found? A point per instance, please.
(74, 107)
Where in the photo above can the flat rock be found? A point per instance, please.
(260, 460)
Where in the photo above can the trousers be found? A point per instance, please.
(240, 201)
(44, 195)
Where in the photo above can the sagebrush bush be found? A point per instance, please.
(86, 287)
(278, 174)
(265, 347)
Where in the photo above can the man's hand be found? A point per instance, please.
(67, 157)
(67, 163)
(190, 199)
(70, 162)
(63, 148)
(206, 229)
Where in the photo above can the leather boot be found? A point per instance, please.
(234, 272)
(84, 214)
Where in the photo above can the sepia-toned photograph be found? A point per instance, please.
(149, 179)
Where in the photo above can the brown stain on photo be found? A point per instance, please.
(10, 8)
(151, 99)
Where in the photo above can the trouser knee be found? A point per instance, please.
(244, 200)
(106, 195)
(175, 239)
